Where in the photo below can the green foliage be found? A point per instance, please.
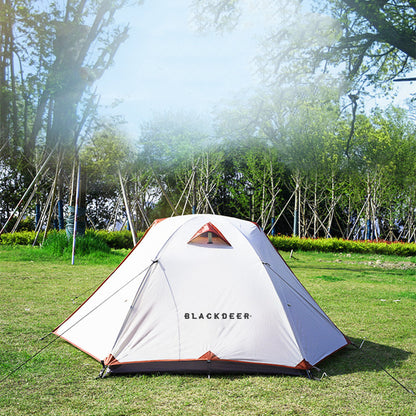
(102, 241)
(103, 155)
(51, 52)
(370, 42)
(58, 244)
(118, 239)
(22, 238)
(56, 241)
(171, 138)
(337, 245)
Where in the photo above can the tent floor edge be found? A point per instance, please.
(203, 367)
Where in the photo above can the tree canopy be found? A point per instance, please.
(371, 41)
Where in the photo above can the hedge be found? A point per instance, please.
(114, 239)
(118, 239)
(22, 238)
(338, 245)
(123, 240)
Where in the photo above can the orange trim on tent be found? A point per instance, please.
(209, 227)
(304, 365)
(156, 222)
(209, 355)
(111, 360)
(77, 346)
(200, 359)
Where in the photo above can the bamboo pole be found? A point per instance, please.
(74, 232)
(126, 204)
(295, 212)
(143, 214)
(183, 193)
(112, 224)
(71, 197)
(282, 211)
(193, 189)
(24, 209)
(42, 218)
(53, 191)
(28, 189)
(164, 193)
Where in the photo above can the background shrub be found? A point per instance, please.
(118, 239)
(58, 244)
(337, 245)
(103, 241)
(22, 238)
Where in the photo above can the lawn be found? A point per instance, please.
(372, 297)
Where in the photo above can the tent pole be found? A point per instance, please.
(74, 233)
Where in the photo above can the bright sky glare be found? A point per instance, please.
(166, 66)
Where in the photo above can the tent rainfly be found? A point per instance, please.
(203, 294)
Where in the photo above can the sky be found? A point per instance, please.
(166, 66)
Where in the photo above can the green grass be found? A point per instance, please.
(366, 296)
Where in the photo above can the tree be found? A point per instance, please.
(372, 41)
(299, 126)
(107, 152)
(378, 40)
(170, 146)
(47, 100)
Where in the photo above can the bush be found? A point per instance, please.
(103, 241)
(114, 239)
(22, 238)
(118, 239)
(58, 244)
(337, 245)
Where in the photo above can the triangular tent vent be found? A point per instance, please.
(209, 234)
(208, 356)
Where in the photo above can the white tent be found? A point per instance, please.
(203, 293)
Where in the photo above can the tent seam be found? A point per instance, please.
(176, 309)
(136, 296)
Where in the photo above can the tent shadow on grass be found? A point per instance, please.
(372, 357)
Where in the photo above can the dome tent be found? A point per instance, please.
(203, 294)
